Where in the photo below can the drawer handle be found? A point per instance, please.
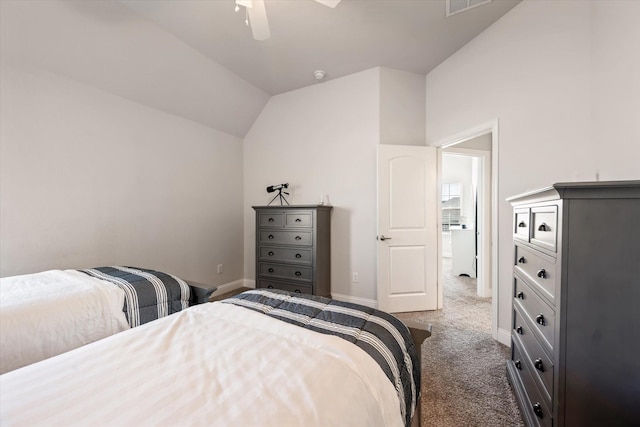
(540, 319)
(520, 330)
(271, 219)
(537, 409)
(518, 364)
(298, 238)
(520, 295)
(297, 273)
(298, 291)
(298, 220)
(538, 364)
(543, 227)
(298, 256)
(271, 253)
(542, 274)
(522, 224)
(270, 270)
(521, 260)
(271, 236)
(270, 287)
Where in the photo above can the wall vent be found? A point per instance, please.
(457, 6)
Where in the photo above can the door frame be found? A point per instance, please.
(490, 127)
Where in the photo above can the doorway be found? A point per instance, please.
(466, 208)
(478, 149)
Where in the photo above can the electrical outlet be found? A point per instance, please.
(355, 277)
(220, 268)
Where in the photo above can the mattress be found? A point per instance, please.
(215, 364)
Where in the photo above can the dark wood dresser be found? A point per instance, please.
(575, 340)
(293, 248)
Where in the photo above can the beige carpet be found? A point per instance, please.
(464, 379)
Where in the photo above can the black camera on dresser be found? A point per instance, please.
(575, 338)
(293, 248)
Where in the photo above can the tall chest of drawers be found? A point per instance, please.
(575, 340)
(293, 248)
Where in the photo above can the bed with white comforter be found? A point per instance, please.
(216, 364)
(48, 313)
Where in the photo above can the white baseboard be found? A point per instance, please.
(236, 284)
(504, 337)
(357, 300)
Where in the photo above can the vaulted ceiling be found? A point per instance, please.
(198, 60)
(409, 35)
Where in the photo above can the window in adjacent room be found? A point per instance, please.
(451, 203)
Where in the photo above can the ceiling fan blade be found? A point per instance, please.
(330, 3)
(258, 20)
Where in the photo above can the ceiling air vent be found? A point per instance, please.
(457, 6)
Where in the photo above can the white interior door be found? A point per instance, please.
(407, 228)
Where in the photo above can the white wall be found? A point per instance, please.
(89, 177)
(562, 78)
(322, 140)
(402, 107)
(615, 87)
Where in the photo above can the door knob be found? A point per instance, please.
(383, 238)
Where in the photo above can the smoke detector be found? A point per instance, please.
(319, 75)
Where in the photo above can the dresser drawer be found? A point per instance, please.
(524, 328)
(289, 255)
(542, 364)
(298, 288)
(536, 309)
(298, 219)
(270, 219)
(521, 224)
(284, 271)
(544, 229)
(302, 238)
(534, 403)
(538, 268)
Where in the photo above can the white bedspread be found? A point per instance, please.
(48, 313)
(213, 364)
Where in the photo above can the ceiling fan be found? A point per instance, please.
(257, 16)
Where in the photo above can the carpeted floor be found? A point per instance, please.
(464, 379)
